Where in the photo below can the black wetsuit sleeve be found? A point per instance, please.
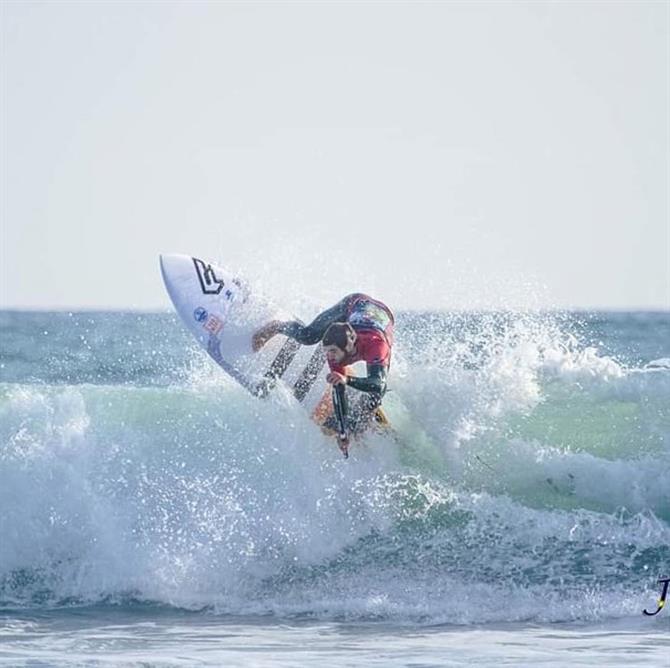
(310, 334)
(375, 383)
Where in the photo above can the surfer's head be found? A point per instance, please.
(339, 341)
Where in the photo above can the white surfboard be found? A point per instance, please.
(223, 312)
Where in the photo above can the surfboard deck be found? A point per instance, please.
(223, 312)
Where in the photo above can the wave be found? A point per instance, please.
(524, 469)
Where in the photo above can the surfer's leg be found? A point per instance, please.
(310, 334)
(307, 335)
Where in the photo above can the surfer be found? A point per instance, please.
(358, 328)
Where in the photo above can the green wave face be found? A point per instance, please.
(526, 478)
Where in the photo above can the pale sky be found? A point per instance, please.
(437, 155)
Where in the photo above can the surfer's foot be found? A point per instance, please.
(343, 444)
(264, 334)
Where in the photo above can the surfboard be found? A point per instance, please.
(222, 312)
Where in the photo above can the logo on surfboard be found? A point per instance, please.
(200, 314)
(213, 325)
(209, 283)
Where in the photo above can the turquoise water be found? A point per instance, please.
(153, 512)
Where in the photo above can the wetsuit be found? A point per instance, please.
(373, 323)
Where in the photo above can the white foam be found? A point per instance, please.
(520, 452)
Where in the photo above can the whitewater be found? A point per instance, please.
(153, 512)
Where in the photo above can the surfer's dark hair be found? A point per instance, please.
(339, 334)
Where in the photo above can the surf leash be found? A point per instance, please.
(488, 466)
(549, 481)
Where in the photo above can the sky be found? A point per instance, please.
(450, 155)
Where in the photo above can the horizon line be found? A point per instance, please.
(168, 309)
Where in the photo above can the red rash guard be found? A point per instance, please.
(372, 321)
(371, 348)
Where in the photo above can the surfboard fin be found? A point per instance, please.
(379, 416)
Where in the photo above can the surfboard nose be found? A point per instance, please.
(169, 258)
(172, 262)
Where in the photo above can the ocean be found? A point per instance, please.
(153, 513)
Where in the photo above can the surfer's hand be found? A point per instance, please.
(335, 378)
(343, 444)
(264, 334)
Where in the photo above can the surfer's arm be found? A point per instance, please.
(374, 383)
(310, 334)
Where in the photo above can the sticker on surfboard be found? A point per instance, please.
(223, 312)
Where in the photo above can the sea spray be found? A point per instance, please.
(525, 480)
